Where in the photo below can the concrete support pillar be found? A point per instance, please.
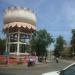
(9, 42)
(18, 42)
(6, 43)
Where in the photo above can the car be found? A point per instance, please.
(69, 70)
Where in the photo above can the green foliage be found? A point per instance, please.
(73, 41)
(40, 41)
(66, 53)
(2, 62)
(59, 46)
(2, 45)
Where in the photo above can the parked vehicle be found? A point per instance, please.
(70, 70)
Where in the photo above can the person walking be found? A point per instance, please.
(57, 60)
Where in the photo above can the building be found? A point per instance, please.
(19, 25)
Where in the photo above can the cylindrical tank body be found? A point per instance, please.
(20, 17)
(19, 24)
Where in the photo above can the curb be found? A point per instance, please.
(69, 61)
(21, 66)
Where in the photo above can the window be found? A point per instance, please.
(24, 37)
(13, 37)
(22, 48)
(13, 47)
(69, 71)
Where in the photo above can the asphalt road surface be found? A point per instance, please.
(35, 70)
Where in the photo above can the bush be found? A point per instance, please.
(2, 62)
(19, 62)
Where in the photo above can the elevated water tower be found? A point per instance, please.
(19, 24)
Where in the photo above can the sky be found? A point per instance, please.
(56, 16)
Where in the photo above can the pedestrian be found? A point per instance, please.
(30, 62)
(45, 58)
(57, 60)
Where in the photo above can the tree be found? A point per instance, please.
(40, 41)
(2, 46)
(73, 42)
(59, 46)
(66, 52)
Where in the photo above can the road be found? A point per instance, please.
(35, 70)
